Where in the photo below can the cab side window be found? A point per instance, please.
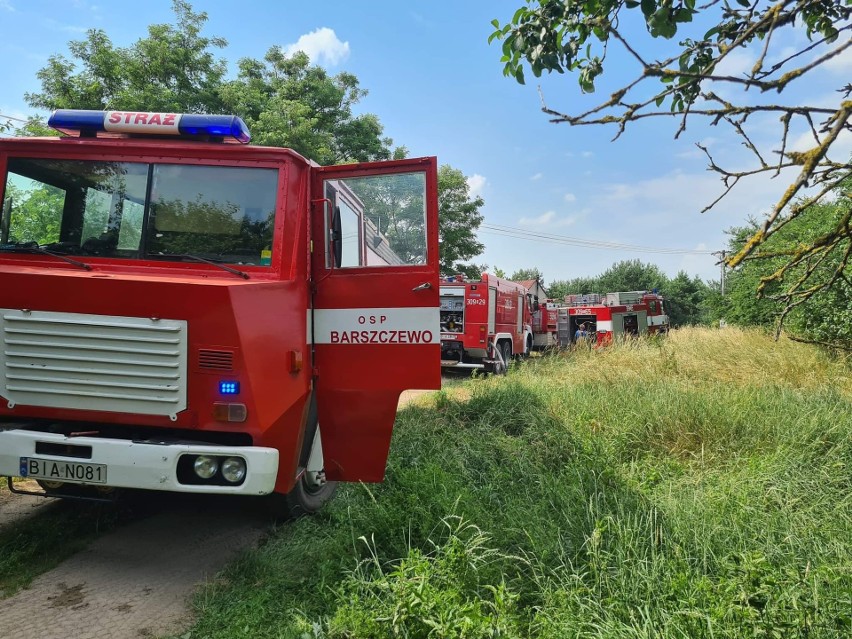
(382, 220)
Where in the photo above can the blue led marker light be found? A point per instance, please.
(229, 388)
(150, 123)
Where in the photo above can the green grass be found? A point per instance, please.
(699, 486)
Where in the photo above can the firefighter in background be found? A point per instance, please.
(581, 336)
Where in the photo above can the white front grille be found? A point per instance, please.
(94, 362)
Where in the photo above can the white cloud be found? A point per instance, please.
(587, 154)
(535, 177)
(476, 183)
(570, 197)
(737, 63)
(321, 45)
(839, 151)
(7, 5)
(549, 219)
(841, 64)
(544, 218)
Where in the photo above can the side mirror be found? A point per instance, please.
(336, 237)
(536, 306)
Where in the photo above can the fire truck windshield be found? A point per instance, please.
(140, 211)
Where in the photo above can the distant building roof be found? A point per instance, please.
(533, 286)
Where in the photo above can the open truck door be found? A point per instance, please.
(375, 309)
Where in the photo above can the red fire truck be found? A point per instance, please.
(181, 313)
(484, 323)
(611, 315)
(545, 325)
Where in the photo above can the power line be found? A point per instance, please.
(539, 236)
(9, 117)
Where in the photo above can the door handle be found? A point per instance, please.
(423, 286)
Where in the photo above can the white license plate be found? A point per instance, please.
(75, 472)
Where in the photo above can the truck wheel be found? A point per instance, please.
(308, 495)
(529, 347)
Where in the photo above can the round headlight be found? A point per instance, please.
(205, 466)
(234, 469)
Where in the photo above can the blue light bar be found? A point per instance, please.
(92, 122)
(229, 388)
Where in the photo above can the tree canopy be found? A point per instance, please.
(825, 317)
(284, 99)
(528, 274)
(458, 218)
(789, 38)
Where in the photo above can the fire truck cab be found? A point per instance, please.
(186, 312)
(484, 323)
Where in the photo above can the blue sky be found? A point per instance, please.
(437, 86)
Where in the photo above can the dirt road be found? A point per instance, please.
(135, 581)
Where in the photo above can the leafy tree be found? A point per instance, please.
(36, 213)
(499, 272)
(458, 218)
(287, 102)
(284, 99)
(575, 36)
(685, 299)
(631, 275)
(527, 274)
(174, 69)
(825, 316)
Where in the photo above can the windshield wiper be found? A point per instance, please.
(35, 248)
(197, 258)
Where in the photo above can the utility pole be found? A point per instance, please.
(721, 262)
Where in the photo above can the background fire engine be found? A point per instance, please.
(195, 309)
(629, 313)
(484, 323)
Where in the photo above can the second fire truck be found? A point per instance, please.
(484, 323)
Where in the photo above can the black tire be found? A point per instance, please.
(507, 354)
(306, 497)
(301, 501)
(529, 347)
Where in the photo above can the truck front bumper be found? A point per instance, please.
(132, 464)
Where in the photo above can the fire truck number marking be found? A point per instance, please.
(475, 302)
(416, 325)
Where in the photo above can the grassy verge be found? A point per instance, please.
(699, 486)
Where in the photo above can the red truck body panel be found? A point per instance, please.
(268, 332)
